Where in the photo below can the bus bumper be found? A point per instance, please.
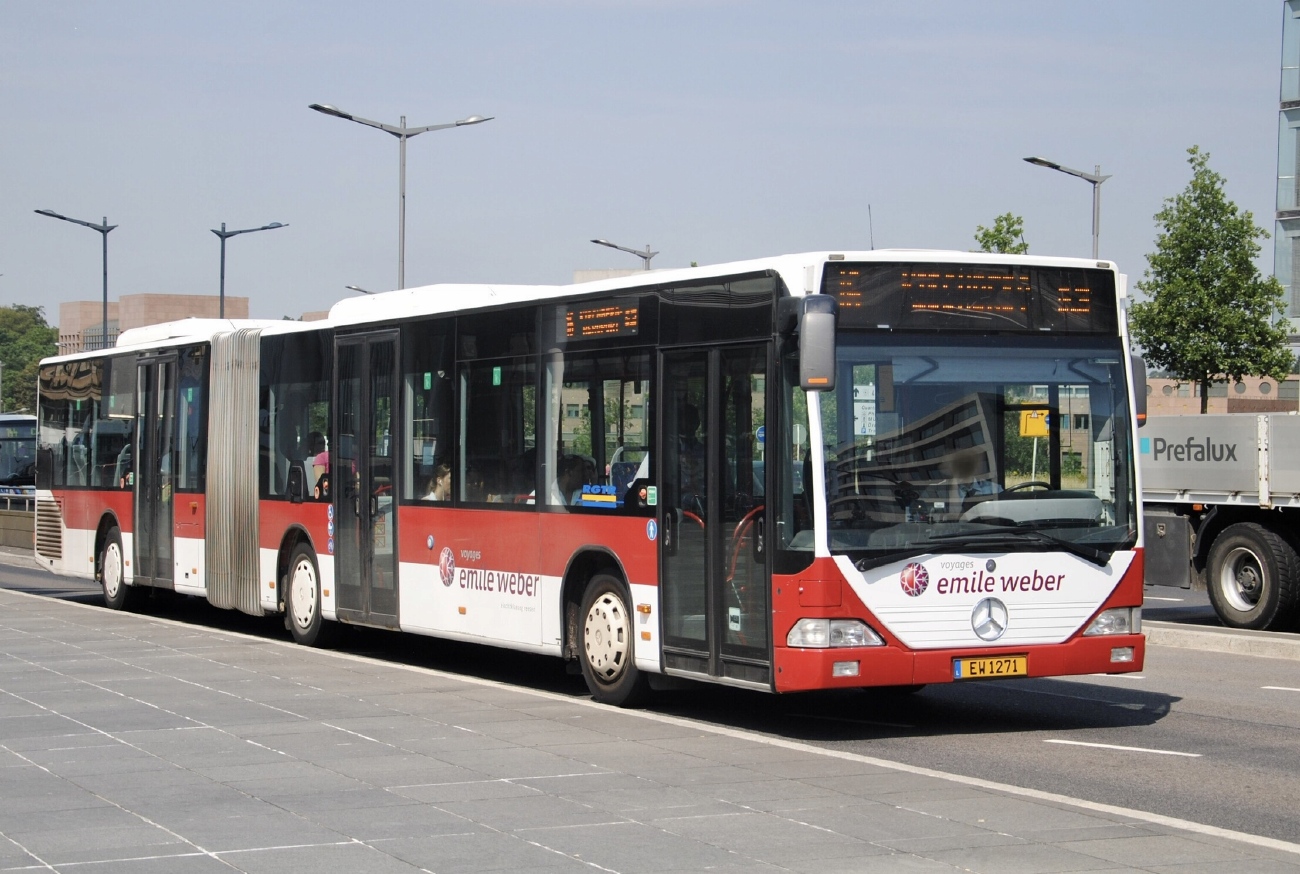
(798, 670)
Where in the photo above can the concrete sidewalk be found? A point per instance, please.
(129, 743)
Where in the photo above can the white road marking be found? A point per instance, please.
(1280, 688)
(1153, 598)
(1079, 743)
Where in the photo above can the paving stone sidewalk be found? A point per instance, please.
(133, 744)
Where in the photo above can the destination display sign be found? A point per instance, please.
(973, 297)
(586, 320)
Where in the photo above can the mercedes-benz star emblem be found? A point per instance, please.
(989, 619)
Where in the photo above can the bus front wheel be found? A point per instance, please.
(117, 594)
(302, 598)
(605, 646)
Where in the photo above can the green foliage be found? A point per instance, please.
(1211, 317)
(1007, 235)
(25, 338)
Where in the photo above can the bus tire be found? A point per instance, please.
(112, 572)
(302, 598)
(605, 647)
(1253, 577)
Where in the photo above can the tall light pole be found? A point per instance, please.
(224, 235)
(403, 133)
(644, 254)
(103, 227)
(1096, 179)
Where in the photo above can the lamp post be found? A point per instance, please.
(403, 133)
(103, 227)
(645, 255)
(225, 235)
(1095, 178)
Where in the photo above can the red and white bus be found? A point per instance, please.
(886, 468)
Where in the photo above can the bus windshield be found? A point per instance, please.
(977, 444)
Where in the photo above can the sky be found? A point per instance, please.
(709, 130)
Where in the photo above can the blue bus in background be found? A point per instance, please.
(17, 454)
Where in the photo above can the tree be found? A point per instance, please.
(25, 338)
(1210, 317)
(1003, 236)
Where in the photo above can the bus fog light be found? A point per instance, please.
(1121, 654)
(1120, 620)
(826, 633)
(844, 669)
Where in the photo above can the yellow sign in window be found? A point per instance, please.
(1033, 423)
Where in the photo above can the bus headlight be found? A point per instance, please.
(1120, 620)
(832, 633)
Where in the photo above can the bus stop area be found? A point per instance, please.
(133, 743)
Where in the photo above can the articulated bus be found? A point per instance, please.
(818, 471)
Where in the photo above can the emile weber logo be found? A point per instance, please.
(1194, 449)
(963, 578)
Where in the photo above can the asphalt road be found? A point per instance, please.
(1203, 736)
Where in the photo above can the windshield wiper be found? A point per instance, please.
(1009, 540)
(1016, 539)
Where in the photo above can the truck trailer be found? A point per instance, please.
(1221, 498)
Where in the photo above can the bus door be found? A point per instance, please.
(715, 578)
(364, 452)
(153, 474)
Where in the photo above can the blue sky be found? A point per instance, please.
(712, 130)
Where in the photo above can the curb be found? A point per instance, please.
(1266, 644)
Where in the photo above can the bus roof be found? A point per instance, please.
(801, 273)
(794, 270)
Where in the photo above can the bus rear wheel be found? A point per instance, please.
(1253, 577)
(302, 599)
(112, 577)
(605, 647)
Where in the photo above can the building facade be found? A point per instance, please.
(1254, 394)
(81, 322)
(1286, 236)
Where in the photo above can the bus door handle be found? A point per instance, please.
(760, 537)
(670, 531)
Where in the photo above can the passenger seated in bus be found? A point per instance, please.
(439, 487)
(318, 457)
(568, 479)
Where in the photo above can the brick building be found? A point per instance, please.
(81, 322)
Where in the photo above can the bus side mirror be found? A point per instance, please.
(1139, 388)
(817, 314)
(296, 486)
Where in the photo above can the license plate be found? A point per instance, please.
(988, 668)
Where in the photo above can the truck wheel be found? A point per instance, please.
(1252, 577)
(605, 647)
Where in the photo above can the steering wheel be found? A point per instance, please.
(1032, 484)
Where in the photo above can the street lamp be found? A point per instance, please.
(403, 133)
(1096, 179)
(357, 289)
(645, 255)
(103, 227)
(224, 235)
